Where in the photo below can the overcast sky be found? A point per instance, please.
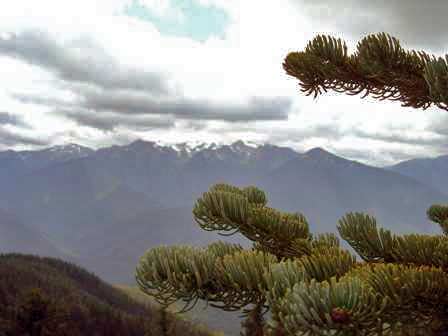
(110, 71)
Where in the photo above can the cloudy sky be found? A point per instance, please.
(110, 71)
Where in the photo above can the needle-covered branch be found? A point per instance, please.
(439, 214)
(379, 67)
(310, 285)
(380, 245)
(370, 300)
(229, 209)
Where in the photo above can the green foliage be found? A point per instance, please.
(379, 67)
(310, 285)
(361, 232)
(229, 209)
(179, 272)
(373, 244)
(439, 214)
(344, 307)
(36, 314)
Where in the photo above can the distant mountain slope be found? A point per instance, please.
(114, 252)
(16, 163)
(325, 187)
(16, 236)
(91, 306)
(432, 172)
(68, 199)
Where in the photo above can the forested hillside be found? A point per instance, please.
(46, 296)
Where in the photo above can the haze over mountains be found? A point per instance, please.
(433, 171)
(103, 208)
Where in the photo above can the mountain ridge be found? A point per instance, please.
(191, 147)
(105, 208)
(181, 147)
(431, 171)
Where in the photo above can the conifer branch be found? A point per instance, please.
(309, 283)
(380, 67)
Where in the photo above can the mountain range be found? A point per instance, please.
(103, 208)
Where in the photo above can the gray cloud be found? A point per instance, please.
(385, 158)
(194, 125)
(440, 125)
(414, 22)
(257, 108)
(80, 61)
(108, 121)
(107, 89)
(330, 131)
(394, 136)
(129, 104)
(8, 138)
(11, 119)
(38, 100)
(326, 131)
(104, 120)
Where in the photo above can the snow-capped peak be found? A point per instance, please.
(69, 149)
(189, 148)
(183, 147)
(58, 153)
(194, 147)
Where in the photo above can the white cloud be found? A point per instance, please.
(163, 9)
(246, 63)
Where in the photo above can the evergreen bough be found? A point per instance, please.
(310, 285)
(380, 67)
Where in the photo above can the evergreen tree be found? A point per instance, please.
(38, 315)
(310, 285)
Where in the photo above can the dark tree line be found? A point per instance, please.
(46, 297)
